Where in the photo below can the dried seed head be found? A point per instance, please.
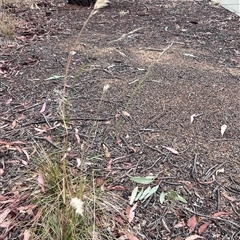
(77, 204)
(100, 4)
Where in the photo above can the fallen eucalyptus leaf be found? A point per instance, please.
(139, 195)
(152, 191)
(193, 237)
(133, 195)
(181, 199)
(146, 191)
(55, 77)
(162, 197)
(143, 180)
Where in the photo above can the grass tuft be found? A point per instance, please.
(58, 219)
(85, 213)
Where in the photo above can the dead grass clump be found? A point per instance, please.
(7, 25)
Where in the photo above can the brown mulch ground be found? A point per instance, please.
(198, 74)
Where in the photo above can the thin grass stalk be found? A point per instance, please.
(63, 106)
(140, 84)
(94, 126)
(94, 208)
(99, 4)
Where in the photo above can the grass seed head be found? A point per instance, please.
(77, 204)
(100, 4)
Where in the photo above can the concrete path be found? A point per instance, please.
(231, 5)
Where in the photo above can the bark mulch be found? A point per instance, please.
(182, 57)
